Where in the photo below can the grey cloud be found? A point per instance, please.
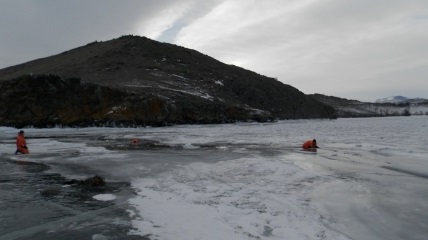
(336, 47)
(34, 29)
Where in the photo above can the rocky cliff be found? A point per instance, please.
(137, 81)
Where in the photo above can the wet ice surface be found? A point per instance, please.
(239, 181)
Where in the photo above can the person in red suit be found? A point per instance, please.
(310, 144)
(21, 144)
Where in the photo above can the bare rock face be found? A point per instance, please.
(46, 101)
(95, 181)
(135, 81)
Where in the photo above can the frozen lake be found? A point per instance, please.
(368, 180)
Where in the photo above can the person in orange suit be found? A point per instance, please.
(21, 144)
(310, 144)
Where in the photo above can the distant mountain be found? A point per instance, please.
(346, 108)
(137, 81)
(401, 100)
(393, 99)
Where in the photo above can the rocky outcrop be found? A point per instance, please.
(137, 81)
(95, 181)
(46, 101)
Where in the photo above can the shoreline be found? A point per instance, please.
(208, 124)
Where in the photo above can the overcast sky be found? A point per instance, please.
(359, 49)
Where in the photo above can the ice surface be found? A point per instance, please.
(337, 193)
(244, 180)
(240, 199)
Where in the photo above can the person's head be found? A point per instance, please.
(314, 143)
(21, 132)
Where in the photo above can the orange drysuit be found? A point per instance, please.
(21, 144)
(310, 144)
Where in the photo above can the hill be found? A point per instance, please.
(187, 86)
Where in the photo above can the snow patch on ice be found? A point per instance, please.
(131, 213)
(104, 197)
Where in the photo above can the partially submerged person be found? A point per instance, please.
(21, 144)
(310, 144)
